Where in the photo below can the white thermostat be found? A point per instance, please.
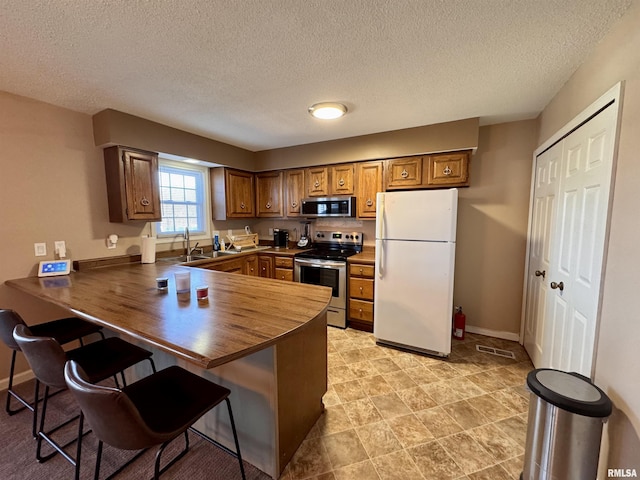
(52, 268)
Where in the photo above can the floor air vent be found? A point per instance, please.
(495, 351)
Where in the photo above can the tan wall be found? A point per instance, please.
(616, 370)
(449, 136)
(53, 188)
(492, 228)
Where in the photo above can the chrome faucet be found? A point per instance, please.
(189, 250)
(186, 239)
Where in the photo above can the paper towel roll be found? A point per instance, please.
(148, 250)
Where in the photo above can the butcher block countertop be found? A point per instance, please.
(242, 315)
(368, 256)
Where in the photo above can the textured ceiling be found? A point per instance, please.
(245, 71)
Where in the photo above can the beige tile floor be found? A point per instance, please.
(397, 415)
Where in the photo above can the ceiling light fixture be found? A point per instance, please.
(327, 110)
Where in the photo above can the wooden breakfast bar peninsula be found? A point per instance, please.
(265, 340)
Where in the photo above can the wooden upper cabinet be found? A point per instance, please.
(449, 169)
(342, 179)
(295, 192)
(369, 183)
(133, 192)
(429, 171)
(317, 180)
(269, 194)
(404, 172)
(232, 193)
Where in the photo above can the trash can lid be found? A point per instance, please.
(569, 391)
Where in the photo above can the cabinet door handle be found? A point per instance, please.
(316, 183)
(447, 170)
(144, 202)
(360, 271)
(404, 173)
(369, 202)
(268, 205)
(341, 182)
(294, 204)
(242, 205)
(541, 273)
(360, 289)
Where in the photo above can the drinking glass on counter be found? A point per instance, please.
(183, 282)
(202, 292)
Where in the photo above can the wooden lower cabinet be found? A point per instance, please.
(250, 266)
(265, 266)
(245, 265)
(283, 268)
(361, 296)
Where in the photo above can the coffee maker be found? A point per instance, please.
(280, 238)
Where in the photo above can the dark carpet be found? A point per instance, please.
(18, 460)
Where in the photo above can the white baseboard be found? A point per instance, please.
(17, 379)
(514, 337)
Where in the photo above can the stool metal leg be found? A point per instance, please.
(235, 437)
(12, 394)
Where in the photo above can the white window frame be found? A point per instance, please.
(172, 237)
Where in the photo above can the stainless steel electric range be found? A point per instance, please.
(326, 264)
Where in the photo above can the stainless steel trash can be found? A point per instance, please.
(566, 414)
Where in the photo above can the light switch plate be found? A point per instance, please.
(59, 244)
(40, 249)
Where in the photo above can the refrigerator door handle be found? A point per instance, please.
(380, 207)
(380, 259)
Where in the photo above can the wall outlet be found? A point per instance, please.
(271, 232)
(40, 249)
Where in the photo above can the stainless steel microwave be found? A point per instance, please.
(329, 207)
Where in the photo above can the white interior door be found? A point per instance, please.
(578, 247)
(546, 187)
(567, 242)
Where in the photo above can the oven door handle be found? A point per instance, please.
(320, 263)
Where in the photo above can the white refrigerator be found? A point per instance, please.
(415, 259)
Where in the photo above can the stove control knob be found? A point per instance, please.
(356, 237)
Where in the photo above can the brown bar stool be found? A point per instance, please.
(64, 330)
(152, 411)
(101, 360)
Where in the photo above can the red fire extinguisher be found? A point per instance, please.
(459, 320)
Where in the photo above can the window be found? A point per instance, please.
(182, 198)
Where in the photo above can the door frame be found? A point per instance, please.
(614, 97)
